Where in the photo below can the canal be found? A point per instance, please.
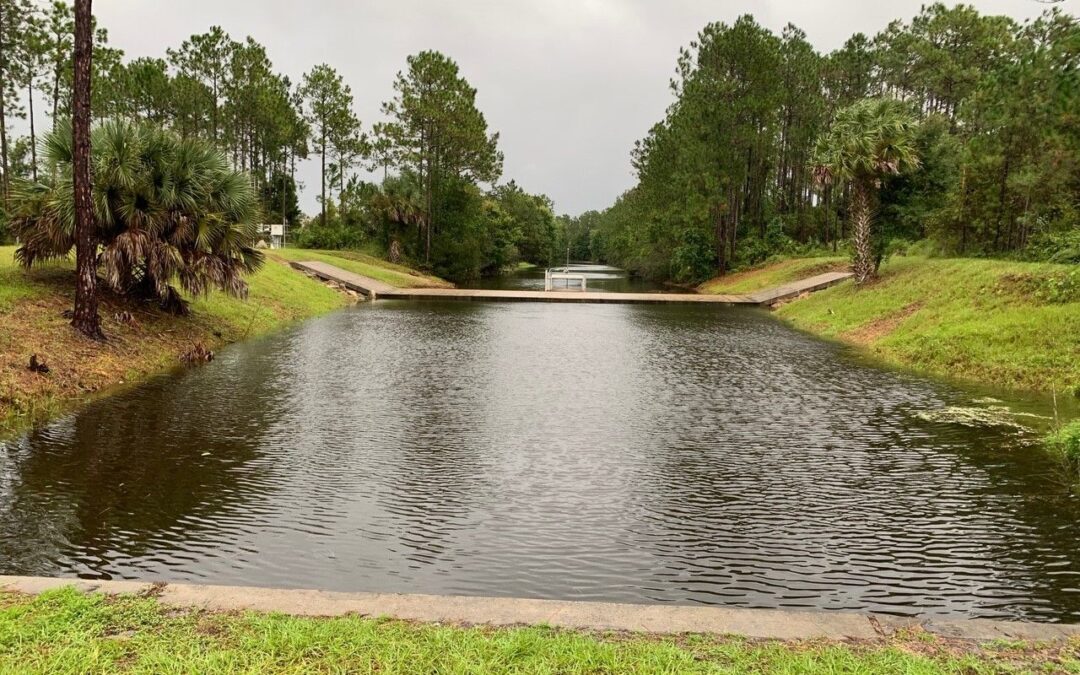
(675, 454)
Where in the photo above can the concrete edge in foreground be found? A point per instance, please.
(671, 619)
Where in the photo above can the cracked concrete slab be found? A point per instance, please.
(670, 619)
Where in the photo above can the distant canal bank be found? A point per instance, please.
(589, 452)
(601, 278)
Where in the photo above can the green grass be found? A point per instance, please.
(978, 320)
(67, 632)
(1005, 324)
(358, 262)
(14, 285)
(277, 295)
(770, 275)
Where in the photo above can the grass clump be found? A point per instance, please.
(67, 632)
(1065, 444)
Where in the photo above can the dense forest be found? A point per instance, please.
(439, 202)
(731, 175)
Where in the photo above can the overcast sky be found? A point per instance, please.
(570, 84)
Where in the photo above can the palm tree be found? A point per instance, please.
(166, 211)
(400, 201)
(868, 141)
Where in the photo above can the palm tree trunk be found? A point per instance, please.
(860, 223)
(86, 318)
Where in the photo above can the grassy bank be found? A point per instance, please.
(357, 262)
(32, 305)
(66, 632)
(775, 274)
(1000, 323)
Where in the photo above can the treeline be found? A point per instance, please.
(211, 87)
(435, 153)
(438, 203)
(728, 176)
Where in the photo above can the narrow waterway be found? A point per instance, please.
(599, 278)
(595, 452)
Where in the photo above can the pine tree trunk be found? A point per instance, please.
(720, 219)
(55, 91)
(324, 177)
(1001, 202)
(427, 216)
(86, 319)
(829, 234)
(284, 197)
(3, 119)
(860, 223)
(33, 132)
(3, 150)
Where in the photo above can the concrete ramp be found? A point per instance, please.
(372, 288)
(796, 288)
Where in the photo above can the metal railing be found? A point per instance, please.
(551, 275)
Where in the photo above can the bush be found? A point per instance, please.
(693, 259)
(927, 248)
(1056, 247)
(332, 236)
(1057, 288)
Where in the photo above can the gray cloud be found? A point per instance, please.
(570, 84)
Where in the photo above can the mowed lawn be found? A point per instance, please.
(66, 632)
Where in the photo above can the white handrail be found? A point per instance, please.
(550, 276)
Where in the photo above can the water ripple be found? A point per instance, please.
(643, 454)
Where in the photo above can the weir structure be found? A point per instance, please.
(377, 290)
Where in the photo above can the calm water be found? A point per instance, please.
(601, 278)
(601, 452)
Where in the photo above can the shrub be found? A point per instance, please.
(927, 248)
(1055, 288)
(332, 236)
(1056, 247)
(693, 259)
